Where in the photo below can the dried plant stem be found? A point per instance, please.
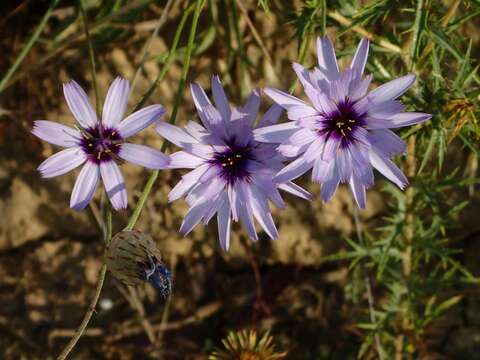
(186, 66)
(28, 46)
(409, 231)
(368, 285)
(86, 319)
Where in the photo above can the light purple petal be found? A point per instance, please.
(388, 169)
(140, 120)
(271, 116)
(193, 217)
(329, 187)
(115, 103)
(387, 142)
(144, 156)
(300, 112)
(360, 57)
(261, 211)
(358, 89)
(330, 147)
(358, 191)
(85, 186)
(220, 98)
(391, 90)
(114, 184)
(283, 99)
(79, 105)
(188, 181)
(303, 75)
(322, 170)
(326, 58)
(62, 162)
(268, 188)
(344, 165)
(385, 109)
(249, 110)
(296, 168)
(174, 134)
(297, 143)
(314, 149)
(276, 133)
(296, 190)
(224, 222)
(214, 122)
(184, 160)
(56, 134)
(408, 118)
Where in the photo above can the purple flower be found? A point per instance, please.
(99, 145)
(233, 173)
(344, 132)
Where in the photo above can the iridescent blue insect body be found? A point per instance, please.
(158, 275)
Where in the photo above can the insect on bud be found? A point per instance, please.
(133, 257)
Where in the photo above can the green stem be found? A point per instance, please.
(91, 56)
(29, 45)
(86, 319)
(186, 66)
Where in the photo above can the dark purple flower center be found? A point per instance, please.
(101, 144)
(342, 123)
(233, 163)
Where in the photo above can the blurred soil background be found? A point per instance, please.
(50, 255)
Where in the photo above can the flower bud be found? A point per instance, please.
(133, 257)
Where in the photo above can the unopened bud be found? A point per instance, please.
(133, 257)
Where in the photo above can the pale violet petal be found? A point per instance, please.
(224, 221)
(295, 169)
(85, 186)
(327, 61)
(221, 100)
(115, 103)
(62, 162)
(140, 120)
(184, 160)
(175, 134)
(56, 134)
(144, 156)
(276, 133)
(360, 57)
(114, 184)
(79, 105)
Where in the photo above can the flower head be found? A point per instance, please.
(233, 173)
(247, 345)
(133, 257)
(99, 145)
(344, 132)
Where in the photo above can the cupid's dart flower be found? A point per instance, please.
(133, 258)
(99, 145)
(233, 173)
(247, 345)
(344, 131)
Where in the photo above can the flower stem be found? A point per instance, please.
(368, 285)
(73, 341)
(91, 56)
(186, 66)
(28, 46)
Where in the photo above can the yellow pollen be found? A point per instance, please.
(343, 132)
(349, 128)
(238, 156)
(351, 121)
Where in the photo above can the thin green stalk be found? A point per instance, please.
(91, 56)
(186, 66)
(324, 17)
(28, 46)
(86, 319)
